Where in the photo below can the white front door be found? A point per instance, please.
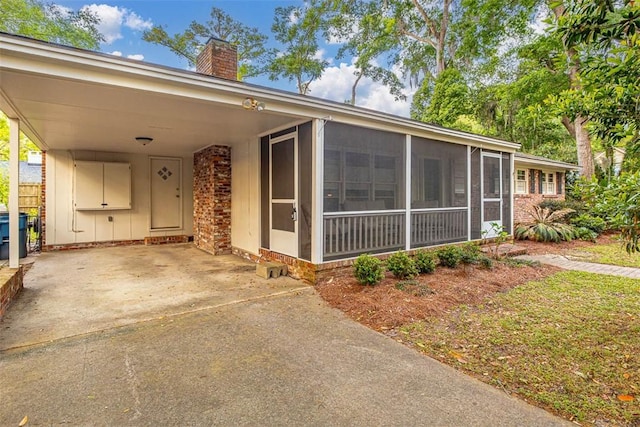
(166, 193)
(283, 195)
(491, 194)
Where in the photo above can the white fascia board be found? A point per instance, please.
(98, 68)
(541, 164)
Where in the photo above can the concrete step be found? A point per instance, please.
(268, 270)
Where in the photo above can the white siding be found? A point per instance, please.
(245, 196)
(67, 226)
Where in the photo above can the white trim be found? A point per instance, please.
(295, 123)
(14, 179)
(545, 183)
(356, 213)
(317, 190)
(457, 208)
(516, 180)
(407, 193)
(511, 197)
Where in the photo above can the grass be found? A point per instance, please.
(569, 343)
(613, 254)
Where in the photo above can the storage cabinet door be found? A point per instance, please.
(117, 186)
(88, 182)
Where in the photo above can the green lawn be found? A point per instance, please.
(612, 253)
(569, 343)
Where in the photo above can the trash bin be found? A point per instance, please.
(4, 235)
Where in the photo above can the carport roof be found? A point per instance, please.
(73, 99)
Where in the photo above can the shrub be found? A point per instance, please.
(449, 256)
(584, 233)
(425, 262)
(593, 223)
(401, 266)
(485, 262)
(576, 207)
(368, 269)
(545, 226)
(470, 253)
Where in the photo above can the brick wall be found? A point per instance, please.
(219, 59)
(10, 286)
(212, 199)
(523, 203)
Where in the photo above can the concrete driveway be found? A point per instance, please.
(268, 353)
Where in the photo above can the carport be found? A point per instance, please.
(74, 293)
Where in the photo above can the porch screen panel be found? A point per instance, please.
(305, 158)
(364, 191)
(264, 191)
(438, 174)
(363, 169)
(476, 196)
(506, 192)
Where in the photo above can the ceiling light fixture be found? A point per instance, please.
(253, 104)
(144, 140)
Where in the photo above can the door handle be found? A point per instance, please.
(294, 214)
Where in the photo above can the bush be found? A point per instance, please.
(450, 256)
(425, 262)
(593, 223)
(368, 270)
(584, 233)
(576, 207)
(401, 266)
(485, 262)
(470, 254)
(545, 226)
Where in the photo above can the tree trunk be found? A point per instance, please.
(353, 88)
(583, 144)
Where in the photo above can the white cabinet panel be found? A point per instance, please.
(102, 186)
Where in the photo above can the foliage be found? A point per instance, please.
(545, 226)
(470, 253)
(250, 43)
(607, 36)
(584, 233)
(496, 236)
(554, 205)
(485, 262)
(402, 266)
(425, 262)
(368, 270)
(576, 326)
(445, 103)
(297, 29)
(50, 22)
(593, 223)
(449, 256)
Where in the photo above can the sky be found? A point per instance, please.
(123, 22)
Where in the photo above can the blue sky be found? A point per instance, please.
(122, 24)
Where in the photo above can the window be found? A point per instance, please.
(521, 181)
(548, 183)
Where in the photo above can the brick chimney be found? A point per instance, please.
(219, 59)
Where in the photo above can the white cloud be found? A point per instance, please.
(336, 82)
(113, 18)
(116, 53)
(319, 55)
(137, 57)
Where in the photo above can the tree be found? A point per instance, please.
(368, 39)
(50, 22)
(448, 101)
(250, 42)
(297, 29)
(606, 36)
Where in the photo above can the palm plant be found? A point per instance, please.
(546, 226)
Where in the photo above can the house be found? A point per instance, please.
(614, 161)
(536, 179)
(29, 186)
(135, 152)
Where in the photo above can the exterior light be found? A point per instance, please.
(253, 104)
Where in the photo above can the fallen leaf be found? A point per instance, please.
(457, 356)
(626, 376)
(421, 345)
(24, 421)
(625, 398)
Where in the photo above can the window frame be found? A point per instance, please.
(518, 181)
(548, 186)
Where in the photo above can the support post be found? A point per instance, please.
(317, 189)
(407, 193)
(14, 178)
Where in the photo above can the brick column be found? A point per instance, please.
(212, 199)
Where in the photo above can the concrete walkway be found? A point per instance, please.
(590, 267)
(281, 357)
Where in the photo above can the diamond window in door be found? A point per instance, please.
(164, 173)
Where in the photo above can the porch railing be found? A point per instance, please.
(351, 233)
(434, 227)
